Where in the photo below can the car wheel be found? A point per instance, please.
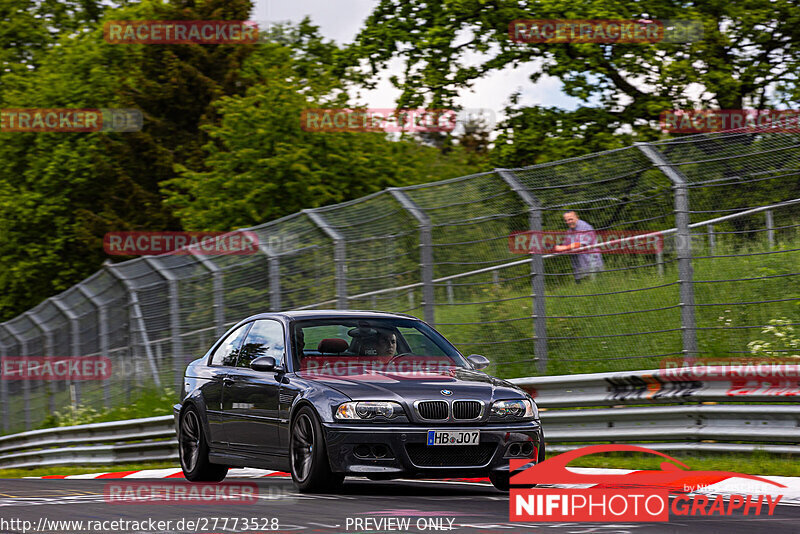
(193, 450)
(500, 480)
(311, 471)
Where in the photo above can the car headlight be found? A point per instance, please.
(368, 410)
(525, 408)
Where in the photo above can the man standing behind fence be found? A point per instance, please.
(581, 234)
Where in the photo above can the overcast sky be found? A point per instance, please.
(340, 20)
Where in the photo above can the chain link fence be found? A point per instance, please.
(727, 206)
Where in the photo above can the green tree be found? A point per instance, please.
(532, 135)
(262, 164)
(28, 28)
(748, 56)
(60, 193)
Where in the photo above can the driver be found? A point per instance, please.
(387, 344)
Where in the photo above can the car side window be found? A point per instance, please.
(228, 351)
(264, 339)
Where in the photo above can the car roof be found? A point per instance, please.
(322, 314)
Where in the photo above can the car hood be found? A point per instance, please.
(399, 386)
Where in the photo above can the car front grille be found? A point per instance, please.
(450, 456)
(466, 409)
(433, 410)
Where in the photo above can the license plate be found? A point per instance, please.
(453, 437)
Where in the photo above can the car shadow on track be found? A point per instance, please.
(417, 488)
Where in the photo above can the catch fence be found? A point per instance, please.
(727, 206)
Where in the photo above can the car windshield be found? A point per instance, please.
(387, 344)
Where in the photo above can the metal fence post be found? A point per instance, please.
(274, 264)
(537, 268)
(136, 322)
(683, 245)
(49, 349)
(770, 228)
(74, 335)
(218, 290)
(26, 384)
(4, 392)
(102, 333)
(711, 240)
(176, 340)
(425, 253)
(339, 256)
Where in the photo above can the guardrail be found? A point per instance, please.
(666, 409)
(674, 409)
(739, 383)
(151, 439)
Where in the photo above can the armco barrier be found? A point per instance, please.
(668, 409)
(674, 409)
(741, 383)
(95, 444)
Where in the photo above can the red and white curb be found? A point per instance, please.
(173, 472)
(697, 485)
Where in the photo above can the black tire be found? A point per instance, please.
(500, 480)
(311, 471)
(193, 450)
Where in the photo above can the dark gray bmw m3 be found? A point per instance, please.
(327, 394)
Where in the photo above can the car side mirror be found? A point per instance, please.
(478, 362)
(265, 364)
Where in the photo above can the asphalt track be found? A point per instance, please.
(470, 507)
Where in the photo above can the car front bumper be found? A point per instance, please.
(408, 454)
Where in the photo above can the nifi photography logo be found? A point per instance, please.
(638, 496)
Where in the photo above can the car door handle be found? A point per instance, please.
(227, 381)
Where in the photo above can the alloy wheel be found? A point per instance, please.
(190, 440)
